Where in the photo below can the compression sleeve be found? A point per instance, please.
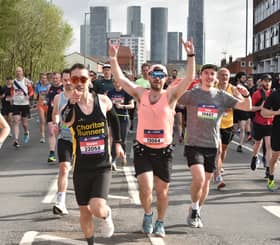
(67, 112)
(115, 125)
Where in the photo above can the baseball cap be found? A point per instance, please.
(158, 67)
(106, 66)
(266, 77)
(208, 66)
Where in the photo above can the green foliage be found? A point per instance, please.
(32, 35)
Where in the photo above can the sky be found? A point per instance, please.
(224, 22)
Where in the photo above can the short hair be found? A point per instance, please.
(66, 70)
(209, 66)
(77, 66)
(9, 78)
(145, 64)
(266, 77)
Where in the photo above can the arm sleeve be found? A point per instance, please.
(114, 124)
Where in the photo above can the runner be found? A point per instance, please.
(226, 127)
(5, 130)
(271, 108)
(205, 107)
(121, 102)
(86, 114)
(64, 144)
(21, 91)
(55, 89)
(262, 126)
(153, 148)
(6, 100)
(41, 91)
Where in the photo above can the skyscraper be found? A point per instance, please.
(196, 28)
(84, 40)
(134, 25)
(174, 47)
(99, 26)
(159, 23)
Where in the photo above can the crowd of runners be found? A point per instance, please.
(88, 119)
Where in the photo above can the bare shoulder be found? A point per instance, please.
(105, 101)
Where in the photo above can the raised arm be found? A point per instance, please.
(5, 129)
(130, 87)
(177, 91)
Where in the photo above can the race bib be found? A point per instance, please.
(117, 100)
(92, 145)
(153, 136)
(208, 112)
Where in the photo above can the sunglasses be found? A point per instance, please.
(76, 80)
(159, 74)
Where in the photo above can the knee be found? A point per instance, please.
(97, 208)
(63, 169)
(162, 194)
(198, 181)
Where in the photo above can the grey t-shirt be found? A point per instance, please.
(204, 113)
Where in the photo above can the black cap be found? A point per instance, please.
(208, 66)
(266, 77)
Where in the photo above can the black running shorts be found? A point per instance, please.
(158, 161)
(201, 155)
(89, 185)
(64, 150)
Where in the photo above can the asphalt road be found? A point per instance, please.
(244, 212)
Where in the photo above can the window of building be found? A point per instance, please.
(261, 41)
(243, 63)
(250, 64)
(275, 35)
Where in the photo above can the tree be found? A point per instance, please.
(35, 37)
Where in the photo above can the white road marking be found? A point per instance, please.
(275, 210)
(118, 197)
(28, 238)
(244, 146)
(49, 198)
(132, 185)
(56, 238)
(156, 240)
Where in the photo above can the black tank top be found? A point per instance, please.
(90, 141)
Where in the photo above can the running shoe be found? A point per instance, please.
(148, 224)
(26, 137)
(51, 158)
(16, 144)
(220, 182)
(42, 140)
(159, 229)
(107, 228)
(254, 163)
(114, 166)
(271, 185)
(60, 209)
(194, 219)
(239, 149)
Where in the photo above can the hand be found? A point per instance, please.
(119, 151)
(113, 49)
(242, 90)
(188, 46)
(118, 105)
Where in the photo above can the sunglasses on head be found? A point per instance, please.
(159, 74)
(76, 80)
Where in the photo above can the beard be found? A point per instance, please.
(155, 87)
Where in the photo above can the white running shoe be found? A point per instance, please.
(60, 209)
(107, 226)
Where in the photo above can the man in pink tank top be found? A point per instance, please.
(153, 148)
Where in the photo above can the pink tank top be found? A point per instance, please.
(155, 122)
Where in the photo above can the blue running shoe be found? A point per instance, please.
(148, 224)
(26, 137)
(159, 229)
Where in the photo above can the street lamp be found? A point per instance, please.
(85, 36)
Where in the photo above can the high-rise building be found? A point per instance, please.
(174, 47)
(266, 37)
(134, 25)
(196, 28)
(136, 45)
(159, 23)
(84, 40)
(99, 26)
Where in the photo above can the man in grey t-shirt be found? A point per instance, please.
(205, 107)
